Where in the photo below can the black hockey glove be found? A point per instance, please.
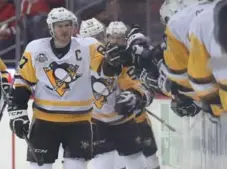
(132, 73)
(136, 37)
(112, 64)
(164, 83)
(126, 102)
(149, 80)
(19, 122)
(134, 29)
(183, 105)
(17, 109)
(113, 55)
(186, 108)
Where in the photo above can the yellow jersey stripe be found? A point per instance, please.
(63, 103)
(61, 118)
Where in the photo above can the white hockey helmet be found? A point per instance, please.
(116, 27)
(91, 27)
(169, 8)
(58, 15)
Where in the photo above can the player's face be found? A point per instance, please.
(117, 39)
(63, 31)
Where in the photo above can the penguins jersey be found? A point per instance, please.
(204, 46)
(177, 44)
(62, 87)
(106, 91)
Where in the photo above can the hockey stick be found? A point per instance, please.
(162, 121)
(32, 149)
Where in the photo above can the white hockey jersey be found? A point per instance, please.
(177, 42)
(203, 46)
(106, 91)
(63, 90)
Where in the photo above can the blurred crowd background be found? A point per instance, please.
(22, 21)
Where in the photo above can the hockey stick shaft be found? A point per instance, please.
(32, 149)
(161, 120)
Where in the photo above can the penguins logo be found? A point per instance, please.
(102, 88)
(61, 76)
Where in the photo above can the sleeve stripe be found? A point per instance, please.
(21, 78)
(202, 81)
(176, 71)
(4, 72)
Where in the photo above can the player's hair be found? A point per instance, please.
(220, 26)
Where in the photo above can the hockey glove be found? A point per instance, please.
(136, 37)
(112, 64)
(213, 107)
(126, 102)
(164, 83)
(113, 55)
(135, 29)
(149, 80)
(185, 106)
(132, 73)
(19, 122)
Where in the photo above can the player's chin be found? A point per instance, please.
(65, 39)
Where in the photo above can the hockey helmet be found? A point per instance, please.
(116, 27)
(91, 27)
(58, 15)
(169, 8)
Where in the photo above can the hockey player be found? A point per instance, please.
(59, 68)
(143, 121)
(113, 116)
(176, 54)
(147, 137)
(206, 45)
(203, 47)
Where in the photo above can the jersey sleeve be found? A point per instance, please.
(24, 79)
(125, 82)
(26, 75)
(176, 59)
(96, 58)
(200, 76)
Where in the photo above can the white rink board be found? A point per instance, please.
(159, 107)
